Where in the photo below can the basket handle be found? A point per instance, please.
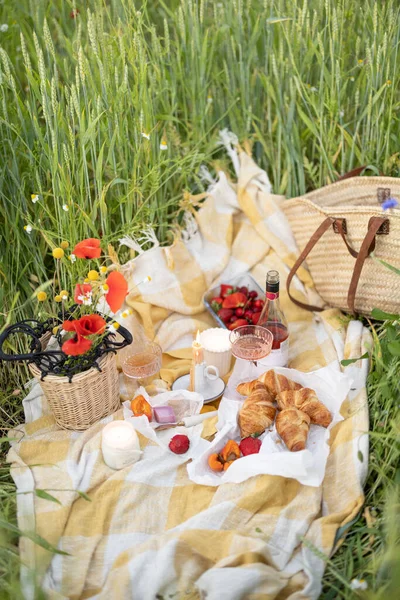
(19, 328)
(367, 246)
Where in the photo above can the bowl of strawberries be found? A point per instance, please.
(235, 303)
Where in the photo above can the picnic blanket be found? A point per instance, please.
(148, 532)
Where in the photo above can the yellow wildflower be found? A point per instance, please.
(58, 253)
(41, 296)
(103, 269)
(57, 298)
(64, 294)
(64, 245)
(93, 275)
(55, 329)
(388, 82)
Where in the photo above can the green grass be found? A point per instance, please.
(312, 86)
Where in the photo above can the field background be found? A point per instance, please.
(311, 87)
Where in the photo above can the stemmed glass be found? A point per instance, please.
(251, 343)
(141, 364)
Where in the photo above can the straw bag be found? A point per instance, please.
(342, 230)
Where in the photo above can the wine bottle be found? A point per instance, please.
(272, 318)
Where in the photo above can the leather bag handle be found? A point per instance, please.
(316, 236)
(367, 246)
(355, 173)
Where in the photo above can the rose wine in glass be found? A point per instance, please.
(143, 363)
(251, 343)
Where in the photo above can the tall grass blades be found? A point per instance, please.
(313, 85)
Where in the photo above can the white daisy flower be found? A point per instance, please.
(145, 135)
(34, 198)
(209, 99)
(113, 328)
(65, 207)
(72, 258)
(314, 89)
(28, 228)
(163, 145)
(4, 28)
(358, 584)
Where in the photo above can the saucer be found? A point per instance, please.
(211, 391)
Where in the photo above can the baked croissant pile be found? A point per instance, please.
(297, 407)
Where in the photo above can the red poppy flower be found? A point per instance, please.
(69, 325)
(89, 248)
(117, 290)
(81, 289)
(76, 345)
(90, 325)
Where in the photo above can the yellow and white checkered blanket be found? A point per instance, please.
(148, 532)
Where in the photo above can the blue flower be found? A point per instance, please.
(389, 203)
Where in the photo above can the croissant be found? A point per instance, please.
(293, 426)
(257, 412)
(246, 387)
(307, 401)
(277, 383)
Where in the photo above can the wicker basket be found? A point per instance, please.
(338, 227)
(90, 395)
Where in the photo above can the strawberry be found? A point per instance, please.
(234, 300)
(237, 323)
(216, 303)
(250, 445)
(226, 290)
(258, 304)
(255, 317)
(239, 312)
(225, 314)
(179, 444)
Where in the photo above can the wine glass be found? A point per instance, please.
(141, 363)
(251, 343)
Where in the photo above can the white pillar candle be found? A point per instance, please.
(120, 444)
(217, 349)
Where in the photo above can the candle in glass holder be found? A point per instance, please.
(120, 444)
(217, 349)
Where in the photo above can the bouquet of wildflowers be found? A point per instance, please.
(79, 327)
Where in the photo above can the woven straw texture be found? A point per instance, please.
(330, 264)
(89, 397)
